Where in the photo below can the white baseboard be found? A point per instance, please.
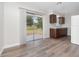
(14, 45)
(9, 46)
(77, 43)
(69, 34)
(1, 51)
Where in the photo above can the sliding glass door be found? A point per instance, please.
(34, 27)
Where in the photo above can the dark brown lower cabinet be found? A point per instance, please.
(58, 32)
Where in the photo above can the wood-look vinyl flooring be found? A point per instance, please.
(61, 47)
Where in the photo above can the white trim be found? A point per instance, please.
(1, 51)
(33, 10)
(75, 43)
(9, 46)
(34, 15)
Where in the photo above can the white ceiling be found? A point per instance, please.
(65, 8)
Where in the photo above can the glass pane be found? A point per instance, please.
(38, 28)
(29, 27)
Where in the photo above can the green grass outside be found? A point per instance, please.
(31, 29)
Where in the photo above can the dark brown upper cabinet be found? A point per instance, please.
(52, 18)
(61, 20)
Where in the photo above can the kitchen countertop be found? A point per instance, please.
(58, 27)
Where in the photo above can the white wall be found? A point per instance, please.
(68, 24)
(1, 27)
(23, 26)
(11, 25)
(46, 26)
(75, 29)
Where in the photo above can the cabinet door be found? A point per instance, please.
(52, 33)
(63, 31)
(52, 18)
(61, 20)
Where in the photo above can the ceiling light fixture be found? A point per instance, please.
(59, 3)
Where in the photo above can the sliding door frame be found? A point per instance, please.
(33, 25)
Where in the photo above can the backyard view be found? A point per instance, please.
(34, 26)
